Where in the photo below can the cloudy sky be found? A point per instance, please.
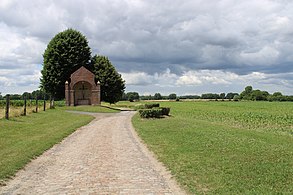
(166, 46)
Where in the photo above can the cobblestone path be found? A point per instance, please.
(103, 157)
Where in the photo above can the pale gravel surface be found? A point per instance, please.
(103, 157)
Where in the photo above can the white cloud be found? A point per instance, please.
(141, 78)
(137, 78)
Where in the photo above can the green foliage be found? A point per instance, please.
(172, 96)
(150, 113)
(236, 98)
(112, 84)
(190, 97)
(222, 96)
(20, 103)
(258, 95)
(165, 111)
(157, 96)
(225, 147)
(277, 96)
(131, 96)
(246, 94)
(150, 106)
(210, 96)
(231, 95)
(255, 95)
(65, 53)
(15, 97)
(40, 94)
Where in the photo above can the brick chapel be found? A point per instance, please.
(82, 89)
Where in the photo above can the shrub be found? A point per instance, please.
(150, 106)
(165, 111)
(150, 113)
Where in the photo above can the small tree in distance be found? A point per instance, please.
(131, 96)
(157, 96)
(172, 96)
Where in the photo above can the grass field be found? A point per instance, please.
(99, 109)
(23, 138)
(225, 147)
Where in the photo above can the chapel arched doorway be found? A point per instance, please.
(83, 93)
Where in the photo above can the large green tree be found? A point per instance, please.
(112, 84)
(65, 53)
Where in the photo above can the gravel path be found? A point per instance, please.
(103, 157)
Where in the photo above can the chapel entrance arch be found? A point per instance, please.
(82, 89)
(83, 93)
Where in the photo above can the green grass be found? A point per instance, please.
(24, 138)
(99, 109)
(124, 104)
(225, 147)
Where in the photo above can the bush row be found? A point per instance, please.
(150, 113)
(156, 112)
(147, 106)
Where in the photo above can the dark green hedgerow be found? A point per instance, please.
(150, 113)
(165, 111)
(150, 106)
(154, 113)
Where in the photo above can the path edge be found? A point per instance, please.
(158, 165)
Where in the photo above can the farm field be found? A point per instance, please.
(25, 137)
(225, 147)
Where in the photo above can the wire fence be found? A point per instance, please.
(14, 108)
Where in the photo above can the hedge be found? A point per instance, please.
(165, 111)
(150, 106)
(150, 113)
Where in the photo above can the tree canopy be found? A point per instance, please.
(158, 96)
(112, 84)
(172, 96)
(65, 53)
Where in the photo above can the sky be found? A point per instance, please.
(187, 47)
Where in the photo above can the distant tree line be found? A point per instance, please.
(247, 94)
(258, 95)
(41, 95)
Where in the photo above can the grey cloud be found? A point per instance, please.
(151, 36)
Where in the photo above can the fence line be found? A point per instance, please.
(14, 108)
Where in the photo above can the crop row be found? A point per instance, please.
(249, 119)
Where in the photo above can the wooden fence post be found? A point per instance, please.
(24, 109)
(7, 106)
(44, 104)
(50, 102)
(36, 104)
